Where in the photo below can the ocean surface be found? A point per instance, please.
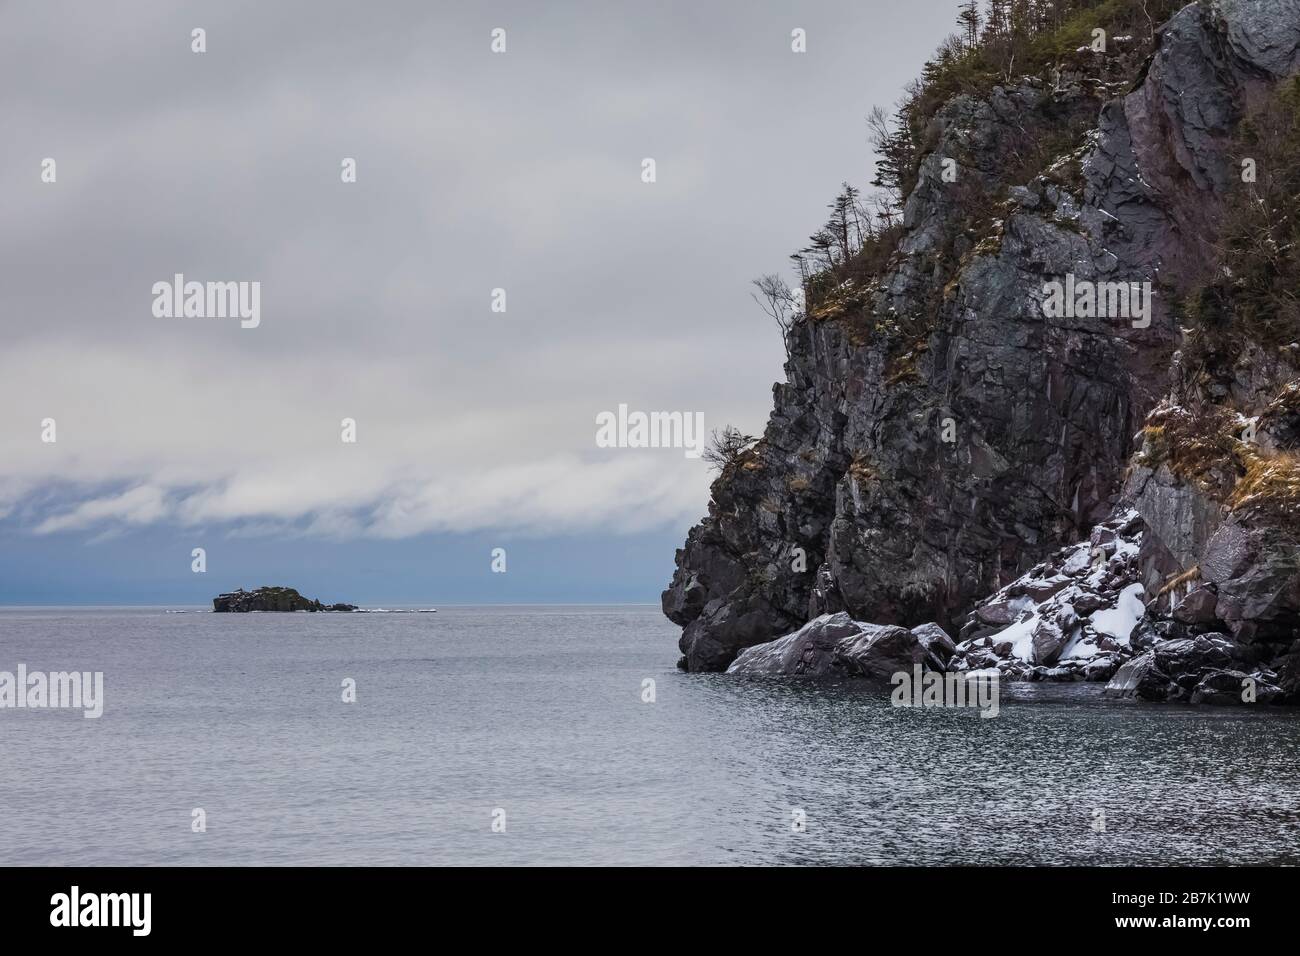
(538, 711)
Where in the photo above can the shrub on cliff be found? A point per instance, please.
(1010, 39)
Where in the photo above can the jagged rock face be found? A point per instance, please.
(1255, 575)
(941, 435)
(1180, 515)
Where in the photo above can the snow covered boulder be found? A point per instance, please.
(882, 650)
(1139, 678)
(1101, 668)
(1189, 668)
(937, 644)
(835, 644)
(1194, 655)
(1052, 633)
(1069, 618)
(810, 650)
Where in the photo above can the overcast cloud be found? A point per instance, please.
(475, 171)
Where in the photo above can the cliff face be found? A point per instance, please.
(938, 435)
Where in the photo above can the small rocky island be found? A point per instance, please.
(271, 599)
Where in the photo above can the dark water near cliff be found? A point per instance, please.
(538, 711)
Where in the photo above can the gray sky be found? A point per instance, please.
(475, 171)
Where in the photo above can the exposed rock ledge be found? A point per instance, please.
(1078, 616)
(271, 599)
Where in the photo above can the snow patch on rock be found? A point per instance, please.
(1069, 618)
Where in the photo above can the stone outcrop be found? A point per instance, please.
(1197, 670)
(1069, 618)
(836, 645)
(1081, 615)
(271, 599)
(942, 451)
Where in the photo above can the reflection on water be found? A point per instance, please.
(538, 711)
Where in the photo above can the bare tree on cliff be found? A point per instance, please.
(727, 446)
(779, 302)
(892, 141)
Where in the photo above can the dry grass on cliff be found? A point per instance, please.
(1174, 583)
(862, 469)
(904, 368)
(1284, 405)
(1198, 445)
(1203, 448)
(1270, 489)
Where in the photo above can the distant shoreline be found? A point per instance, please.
(391, 606)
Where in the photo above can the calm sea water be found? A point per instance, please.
(538, 711)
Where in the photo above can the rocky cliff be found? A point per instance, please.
(943, 431)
